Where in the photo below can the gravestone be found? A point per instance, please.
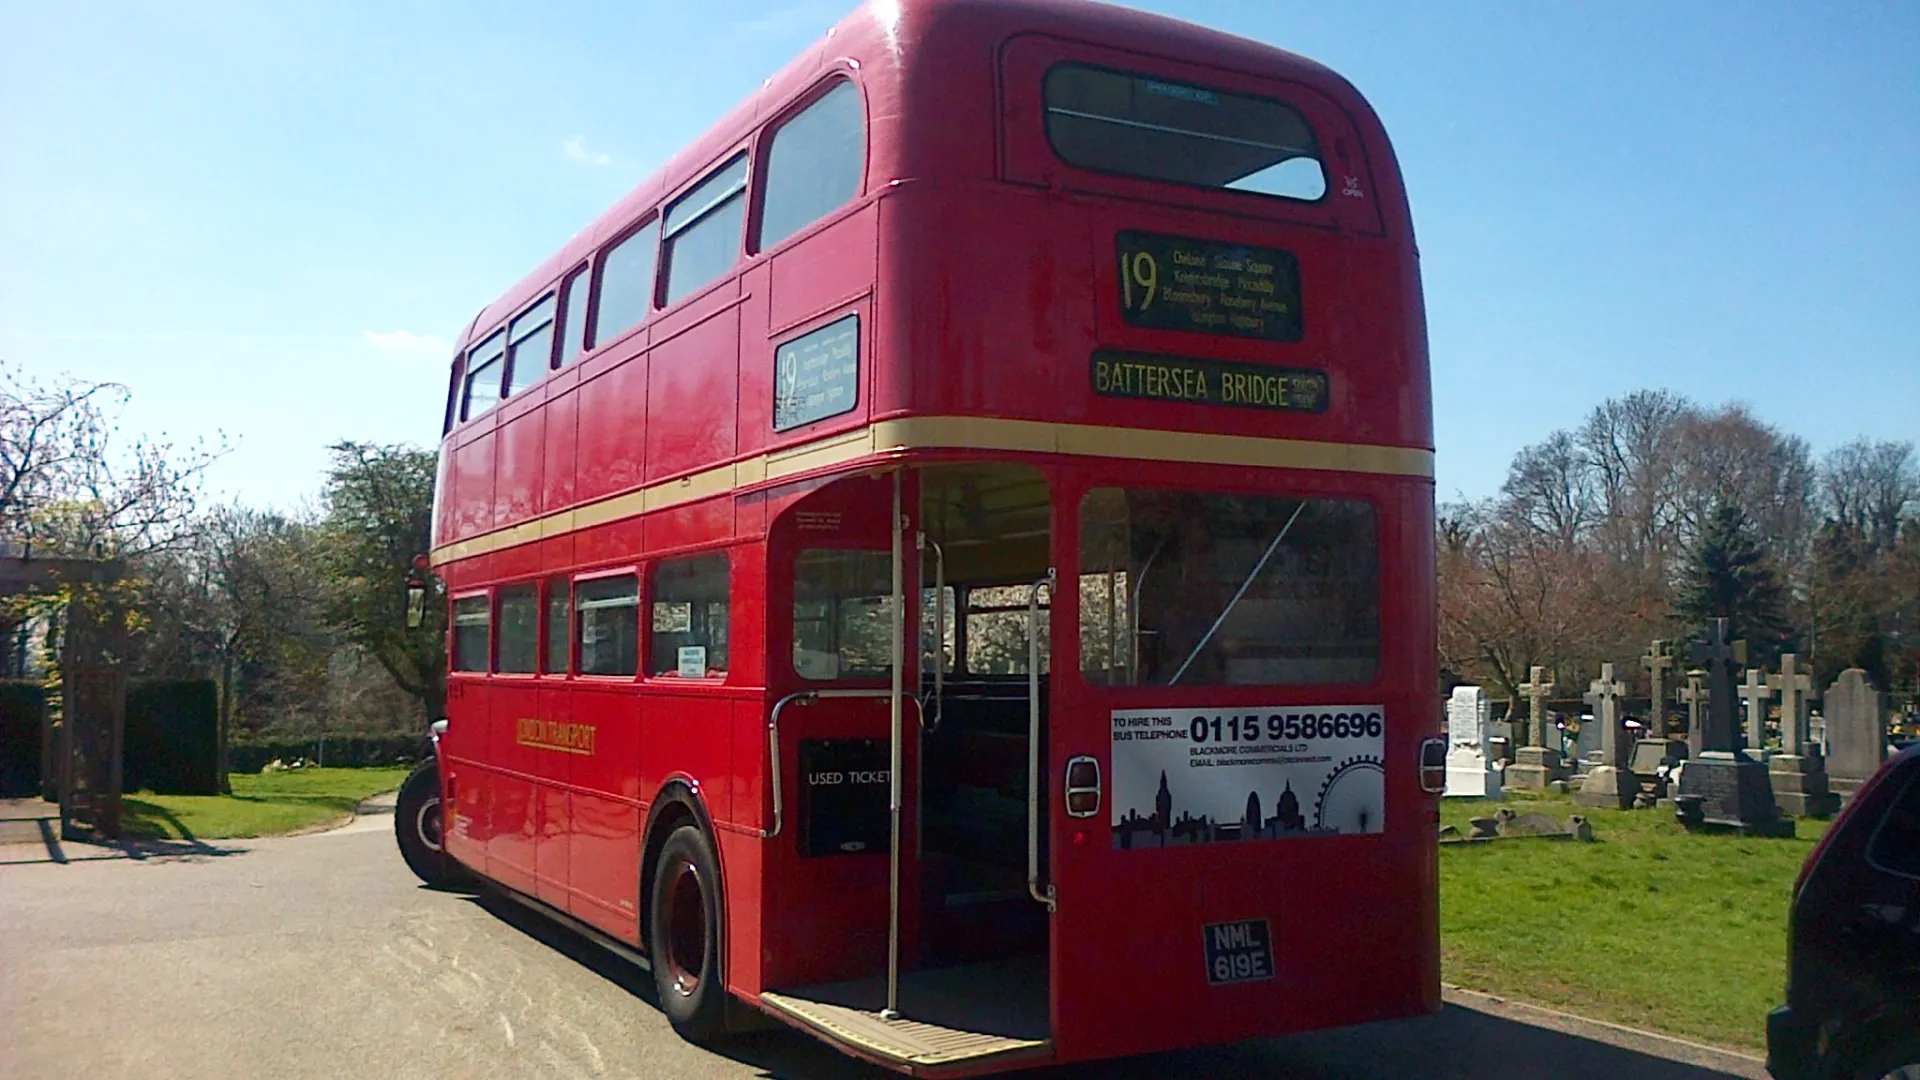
(1793, 685)
(1719, 654)
(1610, 783)
(1470, 763)
(1657, 661)
(1757, 695)
(1721, 786)
(1856, 731)
(1536, 765)
(1694, 695)
(1800, 782)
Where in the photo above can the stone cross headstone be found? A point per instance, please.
(1470, 770)
(1720, 786)
(1801, 785)
(1856, 730)
(1609, 783)
(1793, 685)
(1537, 688)
(1758, 695)
(1719, 654)
(1657, 662)
(1694, 694)
(1537, 764)
(1604, 694)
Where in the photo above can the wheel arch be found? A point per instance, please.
(680, 801)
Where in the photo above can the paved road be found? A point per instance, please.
(319, 957)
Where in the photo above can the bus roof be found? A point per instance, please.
(883, 38)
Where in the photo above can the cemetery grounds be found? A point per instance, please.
(1649, 926)
(266, 804)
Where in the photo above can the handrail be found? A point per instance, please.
(801, 697)
(932, 724)
(1044, 894)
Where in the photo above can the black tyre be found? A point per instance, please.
(418, 825)
(684, 936)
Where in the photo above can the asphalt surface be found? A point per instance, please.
(320, 957)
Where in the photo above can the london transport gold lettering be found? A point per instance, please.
(555, 735)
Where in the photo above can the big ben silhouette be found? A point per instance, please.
(1163, 806)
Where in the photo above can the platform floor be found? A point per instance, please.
(948, 1016)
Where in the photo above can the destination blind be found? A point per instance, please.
(1208, 382)
(1180, 283)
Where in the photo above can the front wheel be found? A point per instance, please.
(684, 935)
(419, 826)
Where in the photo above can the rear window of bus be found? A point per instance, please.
(1138, 125)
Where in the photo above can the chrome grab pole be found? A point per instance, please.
(931, 723)
(898, 734)
(1044, 894)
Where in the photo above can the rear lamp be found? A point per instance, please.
(1433, 766)
(1083, 787)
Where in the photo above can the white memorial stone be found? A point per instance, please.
(1471, 771)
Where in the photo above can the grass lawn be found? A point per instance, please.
(261, 805)
(1651, 926)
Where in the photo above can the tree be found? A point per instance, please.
(1728, 576)
(379, 509)
(1871, 487)
(68, 487)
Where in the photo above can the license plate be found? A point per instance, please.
(1239, 951)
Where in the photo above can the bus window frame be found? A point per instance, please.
(496, 622)
(581, 272)
(762, 148)
(1306, 119)
(1027, 157)
(453, 637)
(466, 381)
(456, 387)
(513, 357)
(1295, 487)
(651, 567)
(597, 267)
(744, 151)
(638, 571)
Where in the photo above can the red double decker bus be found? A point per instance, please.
(947, 562)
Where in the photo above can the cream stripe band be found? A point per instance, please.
(957, 433)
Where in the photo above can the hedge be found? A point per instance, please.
(333, 751)
(23, 708)
(172, 740)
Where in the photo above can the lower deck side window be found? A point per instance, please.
(689, 619)
(472, 621)
(609, 625)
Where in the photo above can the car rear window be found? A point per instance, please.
(1895, 847)
(1139, 125)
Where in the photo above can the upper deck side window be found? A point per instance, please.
(815, 163)
(1138, 125)
(624, 292)
(484, 373)
(702, 230)
(573, 316)
(530, 346)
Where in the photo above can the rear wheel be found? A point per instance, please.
(419, 826)
(684, 936)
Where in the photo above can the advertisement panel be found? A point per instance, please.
(1203, 776)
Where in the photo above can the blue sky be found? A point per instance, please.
(269, 220)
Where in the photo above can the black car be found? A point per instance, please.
(1853, 942)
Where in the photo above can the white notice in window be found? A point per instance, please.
(693, 661)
